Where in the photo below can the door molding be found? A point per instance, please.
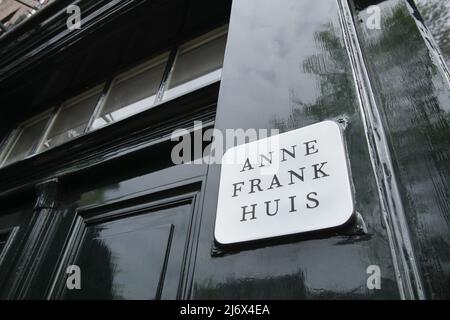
(120, 209)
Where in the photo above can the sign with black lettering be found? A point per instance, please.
(287, 184)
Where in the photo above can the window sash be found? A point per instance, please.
(94, 93)
(46, 117)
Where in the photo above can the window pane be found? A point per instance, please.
(197, 67)
(3, 146)
(131, 94)
(27, 140)
(71, 121)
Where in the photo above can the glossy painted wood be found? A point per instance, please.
(288, 64)
(411, 85)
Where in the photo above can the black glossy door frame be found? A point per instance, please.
(81, 221)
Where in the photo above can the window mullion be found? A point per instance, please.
(100, 103)
(167, 74)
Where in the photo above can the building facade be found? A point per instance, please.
(88, 184)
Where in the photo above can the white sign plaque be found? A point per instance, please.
(286, 184)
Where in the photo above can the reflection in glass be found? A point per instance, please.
(415, 102)
(133, 257)
(198, 64)
(287, 67)
(27, 140)
(132, 92)
(71, 120)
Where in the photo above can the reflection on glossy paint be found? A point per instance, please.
(436, 15)
(286, 66)
(413, 93)
(194, 84)
(137, 257)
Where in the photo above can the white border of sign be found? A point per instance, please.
(293, 216)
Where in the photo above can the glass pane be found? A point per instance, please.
(27, 140)
(131, 95)
(197, 67)
(71, 121)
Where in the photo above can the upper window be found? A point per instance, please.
(72, 119)
(132, 92)
(26, 140)
(197, 63)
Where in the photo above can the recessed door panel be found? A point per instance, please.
(128, 255)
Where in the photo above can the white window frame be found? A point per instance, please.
(15, 136)
(6, 143)
(209, 78)
(142, 104)
(104, 90)
(69, 104)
